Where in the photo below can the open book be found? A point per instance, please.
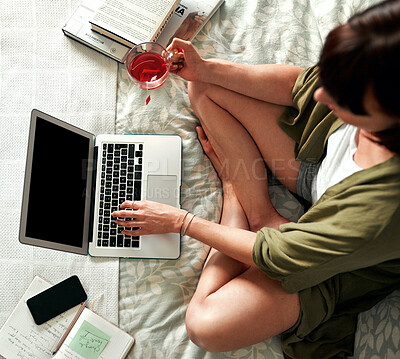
(132, 22)
(189, 18)
(91, 337)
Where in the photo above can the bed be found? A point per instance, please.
(154, 294)
(148, 298)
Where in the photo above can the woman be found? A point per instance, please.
(330, 134)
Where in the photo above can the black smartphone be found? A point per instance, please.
(56, 299)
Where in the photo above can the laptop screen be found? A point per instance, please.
(56, 182)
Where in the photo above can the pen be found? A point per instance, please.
(81, 308)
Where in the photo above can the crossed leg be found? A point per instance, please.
(235, 305)
(245, 135)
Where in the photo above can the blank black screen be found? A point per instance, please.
(58, 182)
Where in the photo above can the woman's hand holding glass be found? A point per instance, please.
(186, 61)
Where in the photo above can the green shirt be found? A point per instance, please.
(343, 255)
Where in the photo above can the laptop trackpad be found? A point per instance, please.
(163, 189)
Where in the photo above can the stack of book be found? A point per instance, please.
(113, 27)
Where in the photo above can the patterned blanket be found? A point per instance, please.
(154, 294)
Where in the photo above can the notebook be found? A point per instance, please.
(74, 180)
(75, 334)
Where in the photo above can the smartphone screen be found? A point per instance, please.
(56, 300)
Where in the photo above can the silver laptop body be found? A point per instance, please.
(75, 180)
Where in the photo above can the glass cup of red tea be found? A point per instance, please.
(148, 65)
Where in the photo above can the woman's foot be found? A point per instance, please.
(232, 212)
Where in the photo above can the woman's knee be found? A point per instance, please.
(201, 329)
(219, 324)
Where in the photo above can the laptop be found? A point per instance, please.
(74, 180)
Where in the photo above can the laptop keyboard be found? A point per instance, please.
(121, 180)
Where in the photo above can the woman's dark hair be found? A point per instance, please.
(363, 53)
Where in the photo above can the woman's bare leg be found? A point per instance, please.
(235, 305)
(244, 133)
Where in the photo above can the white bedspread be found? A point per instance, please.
(41, 68)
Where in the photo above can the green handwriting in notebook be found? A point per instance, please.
(89, 341)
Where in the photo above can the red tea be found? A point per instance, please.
(148, 67)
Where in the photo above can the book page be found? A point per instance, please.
(93, 337)
(21, 338)
(133, 20)
(188, 19)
